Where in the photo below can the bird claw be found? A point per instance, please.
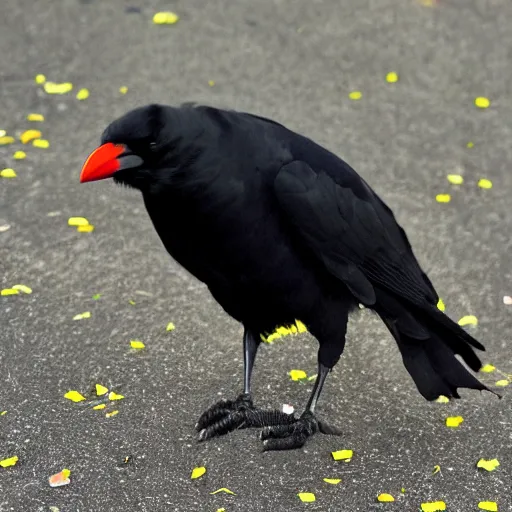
(228, 415)
(294, 435)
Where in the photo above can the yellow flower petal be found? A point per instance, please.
(198, 472)
(468, 320)
(470, 145)
(41, 143)
(110, 414)
(74, 396)
(3, 413)
(502, 383)
(223, 489)
(9, 291)
(82, 94)
(29, 135)
(443, 198)
(488, 464)
(8, 173)
(165, 18)
(440, 305)
(81, 316)
(485, 183)
(137, 344)
(342, 455)
(170, 327)
(482, 102)
(306, 497)
(6, 139)
(115, 396)
(211, 83)
(19, 155)
(22, 288)
(60, 479)
(454, 421)
(99, 407)
(433, 506)
(40, 79)
(85, 229)
(101, 390)
(123, 89)
(392, 77)
(77, 221)
(297, 374)
(442, 399)
(385, 497)
(11, 461)
(455, 179)
(437, 468)
(491, 506)
(487, 368)
(332, 481)
(35, 118)
(54, 88)
(355, 95)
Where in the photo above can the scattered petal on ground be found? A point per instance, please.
(392, 77)
(19, 155)
(22, 288)
(115, 396)
(487, 368)
(469, 145)
(123, 89)
(9, 291)
(29, 135)
(170, 327)
(468, 320)
(77, 221)
(101, 390)
(288, 409)
(82, 94)
(437, 468)
(454, 421)
(342, 455)
(484, 183)
(3, 413)
(165, 18)
(136, 344)
(440, 305)
(99, 407)
(35, 117)
(443, 198)
(110, 414)
(355, 95)
(211, 83)
(306, 497)
(433, 506)
(74, 396)
(198, 472)
(488, 464)
(6, 139)
(96, 296)
(482, 102)
(297, 374)
(223, 489)
(81, 316)
(491, 506)
(455, 179)
(54, 88)
(502, 383)
(11, 461)
(4, 227)
(332, 481)
(8, 173)
(89, 228)
(41, 143)
(442, 399)
(507, 299)
(60, 479)
(385, 497)
(40, 79)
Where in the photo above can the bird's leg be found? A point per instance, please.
(228, 415)
(294, 435)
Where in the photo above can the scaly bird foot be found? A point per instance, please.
(228, 415)
(294, 435)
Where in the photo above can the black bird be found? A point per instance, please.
(281, 229)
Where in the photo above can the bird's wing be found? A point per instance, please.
(352, 232)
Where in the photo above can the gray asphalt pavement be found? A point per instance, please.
(296, 62)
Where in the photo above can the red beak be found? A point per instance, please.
(102, 163)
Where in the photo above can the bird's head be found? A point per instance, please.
(135, 149)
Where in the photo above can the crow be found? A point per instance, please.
(281, 229)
